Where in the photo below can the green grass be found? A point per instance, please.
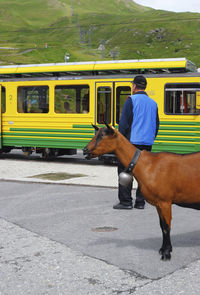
(57, 176)
(79, 27)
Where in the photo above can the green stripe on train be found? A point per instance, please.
(53, 130)
(48, 135)
(77, 137)
(179, 128)
(83, 126)
(45, 142)
(175, 147)
(180, 123)
(192, 139)
(181, 134)
(178, 137)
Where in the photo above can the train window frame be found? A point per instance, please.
(104, 116)
(28, 105)
(3, 99)
(184, 100)
(80, 105)
(119, 106)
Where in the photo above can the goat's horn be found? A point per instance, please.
(108, 126)
(95, 127)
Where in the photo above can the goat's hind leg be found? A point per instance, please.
(164, 212)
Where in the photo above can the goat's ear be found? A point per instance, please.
(95, 127)
(110, 129)
(107, 125)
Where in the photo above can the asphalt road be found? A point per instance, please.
(82, 218)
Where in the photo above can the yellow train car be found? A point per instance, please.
(49, 108)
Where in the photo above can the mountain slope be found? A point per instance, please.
(37, 31)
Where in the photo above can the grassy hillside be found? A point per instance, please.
(35, 31)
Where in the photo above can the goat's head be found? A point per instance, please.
(102, 143)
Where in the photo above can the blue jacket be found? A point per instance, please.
(139, 120)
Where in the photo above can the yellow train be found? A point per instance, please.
(49, 108)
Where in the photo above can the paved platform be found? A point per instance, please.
(25, 170)
(93, 171)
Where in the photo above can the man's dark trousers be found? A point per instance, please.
(124, 192)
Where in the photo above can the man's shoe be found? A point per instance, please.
(139, 206)
(121, 206)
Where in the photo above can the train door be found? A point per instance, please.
(0, 120)
(122, 91)
(104, 103)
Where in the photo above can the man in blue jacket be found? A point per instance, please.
(139, 123)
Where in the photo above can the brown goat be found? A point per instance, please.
(164, 178)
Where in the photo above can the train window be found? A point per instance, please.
(121, 95)
(103, 105)
(72, 99)
(3, 99)
(182, 99)
(33, 99)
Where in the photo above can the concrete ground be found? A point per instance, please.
(65, 238)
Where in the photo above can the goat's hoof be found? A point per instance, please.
(165, 254)
(162, 249)
(166, 257)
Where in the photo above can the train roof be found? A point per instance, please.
(146, 66)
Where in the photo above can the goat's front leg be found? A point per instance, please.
(164, 212)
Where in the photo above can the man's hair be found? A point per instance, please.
(140, 82)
